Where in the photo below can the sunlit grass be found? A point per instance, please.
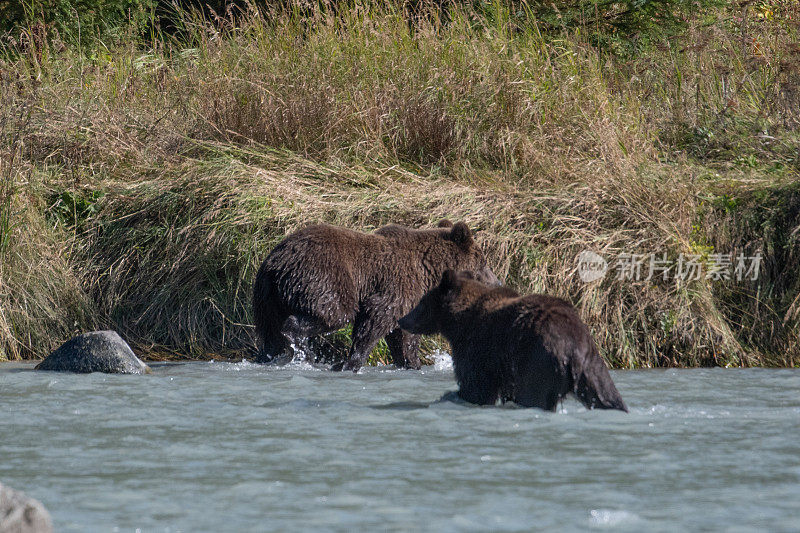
(145, 180)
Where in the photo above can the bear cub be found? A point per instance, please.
(532, 350)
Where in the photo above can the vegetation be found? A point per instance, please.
(144, 176)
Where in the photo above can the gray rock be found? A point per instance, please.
(20, 514)
(98, 351)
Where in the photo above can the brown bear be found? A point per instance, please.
(323, 277)
(531, 350)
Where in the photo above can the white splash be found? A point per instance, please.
(442, 361)
(301, 363)
(244, 364)
(611, 517)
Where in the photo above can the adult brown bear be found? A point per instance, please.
(531, 350)
(323, 277)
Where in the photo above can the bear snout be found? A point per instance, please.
(420, 321)
(405, 323)
(486, 276)
(413, 322)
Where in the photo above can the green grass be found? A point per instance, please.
(144, 181)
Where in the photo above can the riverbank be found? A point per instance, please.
(142, 182)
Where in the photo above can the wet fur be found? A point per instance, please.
(532, 350)
(323, 277)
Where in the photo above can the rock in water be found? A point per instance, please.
(20, 514)
(98, 351)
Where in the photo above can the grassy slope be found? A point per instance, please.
(141, 187)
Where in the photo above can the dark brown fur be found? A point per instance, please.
(323, 277)
(531, 350)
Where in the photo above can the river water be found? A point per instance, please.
(240, 447)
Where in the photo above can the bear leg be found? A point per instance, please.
(272, 343)
(479, 395)
(539, 380)
(593, 385)
(543, 398)
(478, 377)
(371, 325)
(298, 328)
(404, 348)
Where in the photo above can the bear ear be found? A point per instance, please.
(449, 279)
(461, 235)
(444, 223)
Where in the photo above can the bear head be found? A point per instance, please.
(455, 294)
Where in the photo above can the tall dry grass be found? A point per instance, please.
(152, 177)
